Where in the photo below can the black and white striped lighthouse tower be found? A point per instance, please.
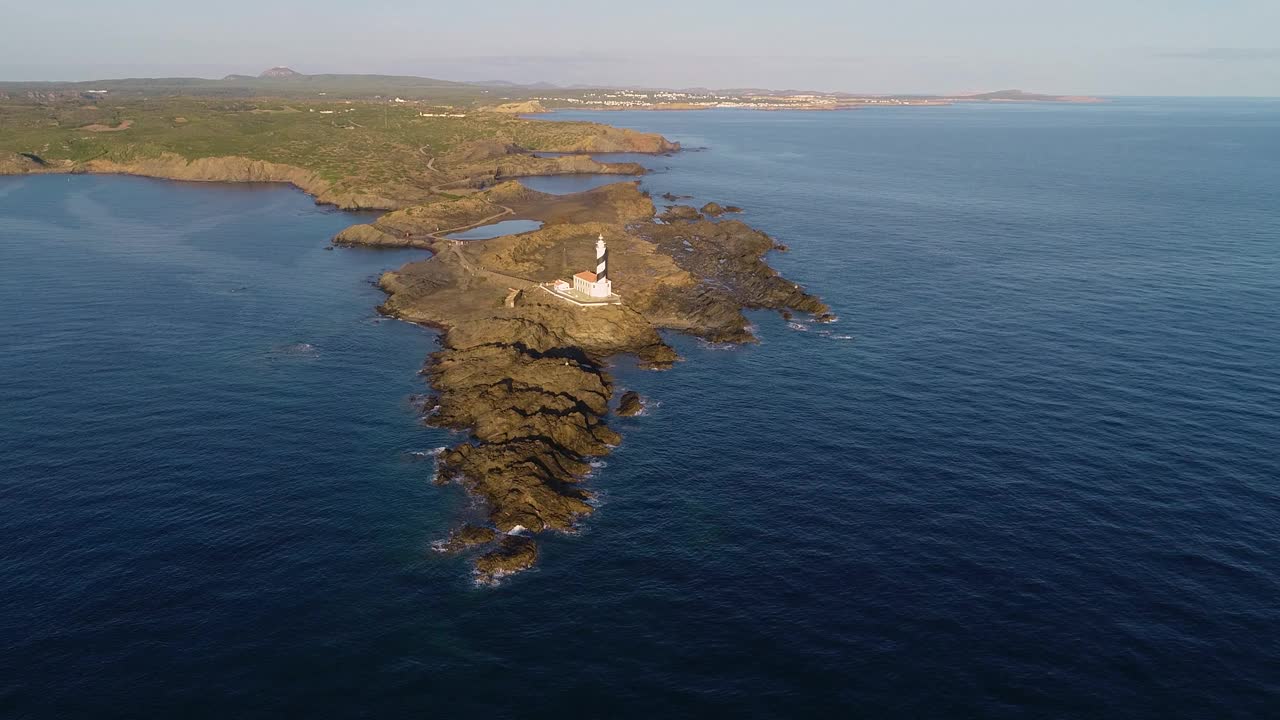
(602, 259)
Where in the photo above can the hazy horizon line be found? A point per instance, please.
(626, 86)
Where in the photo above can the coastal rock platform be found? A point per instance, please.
(524, 372)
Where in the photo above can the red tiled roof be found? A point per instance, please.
(588, 276)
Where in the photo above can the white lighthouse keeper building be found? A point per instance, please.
(596, 284)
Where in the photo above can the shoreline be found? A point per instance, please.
(240, 170)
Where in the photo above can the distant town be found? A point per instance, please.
(671, 99)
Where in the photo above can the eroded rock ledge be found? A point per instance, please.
(524, 372)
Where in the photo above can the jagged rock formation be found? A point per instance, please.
(629, 404)
(527, 378)
(513, 554)
(468, 536)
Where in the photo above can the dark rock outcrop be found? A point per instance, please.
(680, 213)
(468, 536)
(513, 554)
(629, 403)
(713, 209)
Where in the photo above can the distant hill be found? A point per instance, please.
(279, 72)
(276, 82)
(1021, 96)
(509, 84)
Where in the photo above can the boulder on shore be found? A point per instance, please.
(713, 209)
(680, 213)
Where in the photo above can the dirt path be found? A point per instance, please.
(455, 247)
(431, 163)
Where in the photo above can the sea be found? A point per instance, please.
(1032, 471)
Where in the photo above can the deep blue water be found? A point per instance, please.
(1042, 478)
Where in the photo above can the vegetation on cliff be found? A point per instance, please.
(352, 154)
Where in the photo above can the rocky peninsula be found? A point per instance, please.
(522, 371)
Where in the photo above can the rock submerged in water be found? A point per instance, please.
(630, 403)
(513, 554)
(468, 536)
(713, 209)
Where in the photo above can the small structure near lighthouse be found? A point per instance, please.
(589, 288)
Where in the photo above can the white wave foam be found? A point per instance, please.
(433, 452)
(707, 345)
(300, 348)
(646, 407)
(798, 327)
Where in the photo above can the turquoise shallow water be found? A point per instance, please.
(1032, 471)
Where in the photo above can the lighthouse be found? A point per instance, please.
(602, 258)
(596, 284)
(589, 289)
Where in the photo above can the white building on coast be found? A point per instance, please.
(589, 288)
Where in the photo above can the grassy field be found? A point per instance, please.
(345, 142)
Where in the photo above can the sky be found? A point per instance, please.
(1095, 47)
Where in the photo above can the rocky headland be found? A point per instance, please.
(524, 372)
